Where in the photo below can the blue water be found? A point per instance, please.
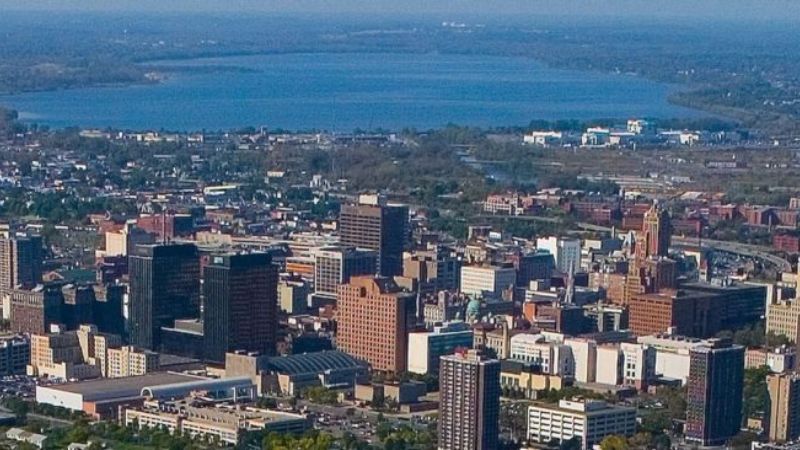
(341, 92)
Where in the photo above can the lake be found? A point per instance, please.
(342, 92)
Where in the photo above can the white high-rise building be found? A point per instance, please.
(566, 251)
(488, 281)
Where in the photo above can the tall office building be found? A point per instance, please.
(20, 262)
(59, 354)
(164, 286)
(372, 224)
(469, 401)
(714, 392)
(78, 306)
(566, 252)
(491, 281)
(373, 317)
(655, 236)
(336, 265)
(650, 269)
(784, 406)
(433, 270)
(107, 309)
(534, 266)
(241, 303)
(33, 311)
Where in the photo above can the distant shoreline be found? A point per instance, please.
(164, 71)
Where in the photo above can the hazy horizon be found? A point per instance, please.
(783, 10)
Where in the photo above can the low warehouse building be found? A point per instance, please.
(101, 398)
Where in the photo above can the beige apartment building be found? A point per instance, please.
(86, 353)
(784, 416)
(60, 354)
(783, 317)
(130, 361)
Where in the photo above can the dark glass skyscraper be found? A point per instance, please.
(107, 312)
(714, 392)
(164, 286)
(376, 226)
(241, 302)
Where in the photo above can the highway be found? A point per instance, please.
(748, 250)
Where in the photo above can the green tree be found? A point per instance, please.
(674, 399)
(662, 442)
(641, 440)
(614, 442)
(755, 394)
(656, 422)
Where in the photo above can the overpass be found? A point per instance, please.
(763, 253)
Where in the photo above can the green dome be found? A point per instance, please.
(473, 308)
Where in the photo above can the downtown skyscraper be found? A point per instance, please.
(469, 401)
(20, 262)
(373, 318)
(240, 294)
(375, 225)
(714, 392)
(164, 286)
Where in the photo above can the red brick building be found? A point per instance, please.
(690, 226)
(697, 309)
(373, 317)
(657, 312)
(786, 242)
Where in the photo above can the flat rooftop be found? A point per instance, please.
(108, 388)
(222, 415)
(592, 407)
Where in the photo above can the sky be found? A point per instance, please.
(730, 9)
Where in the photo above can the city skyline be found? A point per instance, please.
(374, 225)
